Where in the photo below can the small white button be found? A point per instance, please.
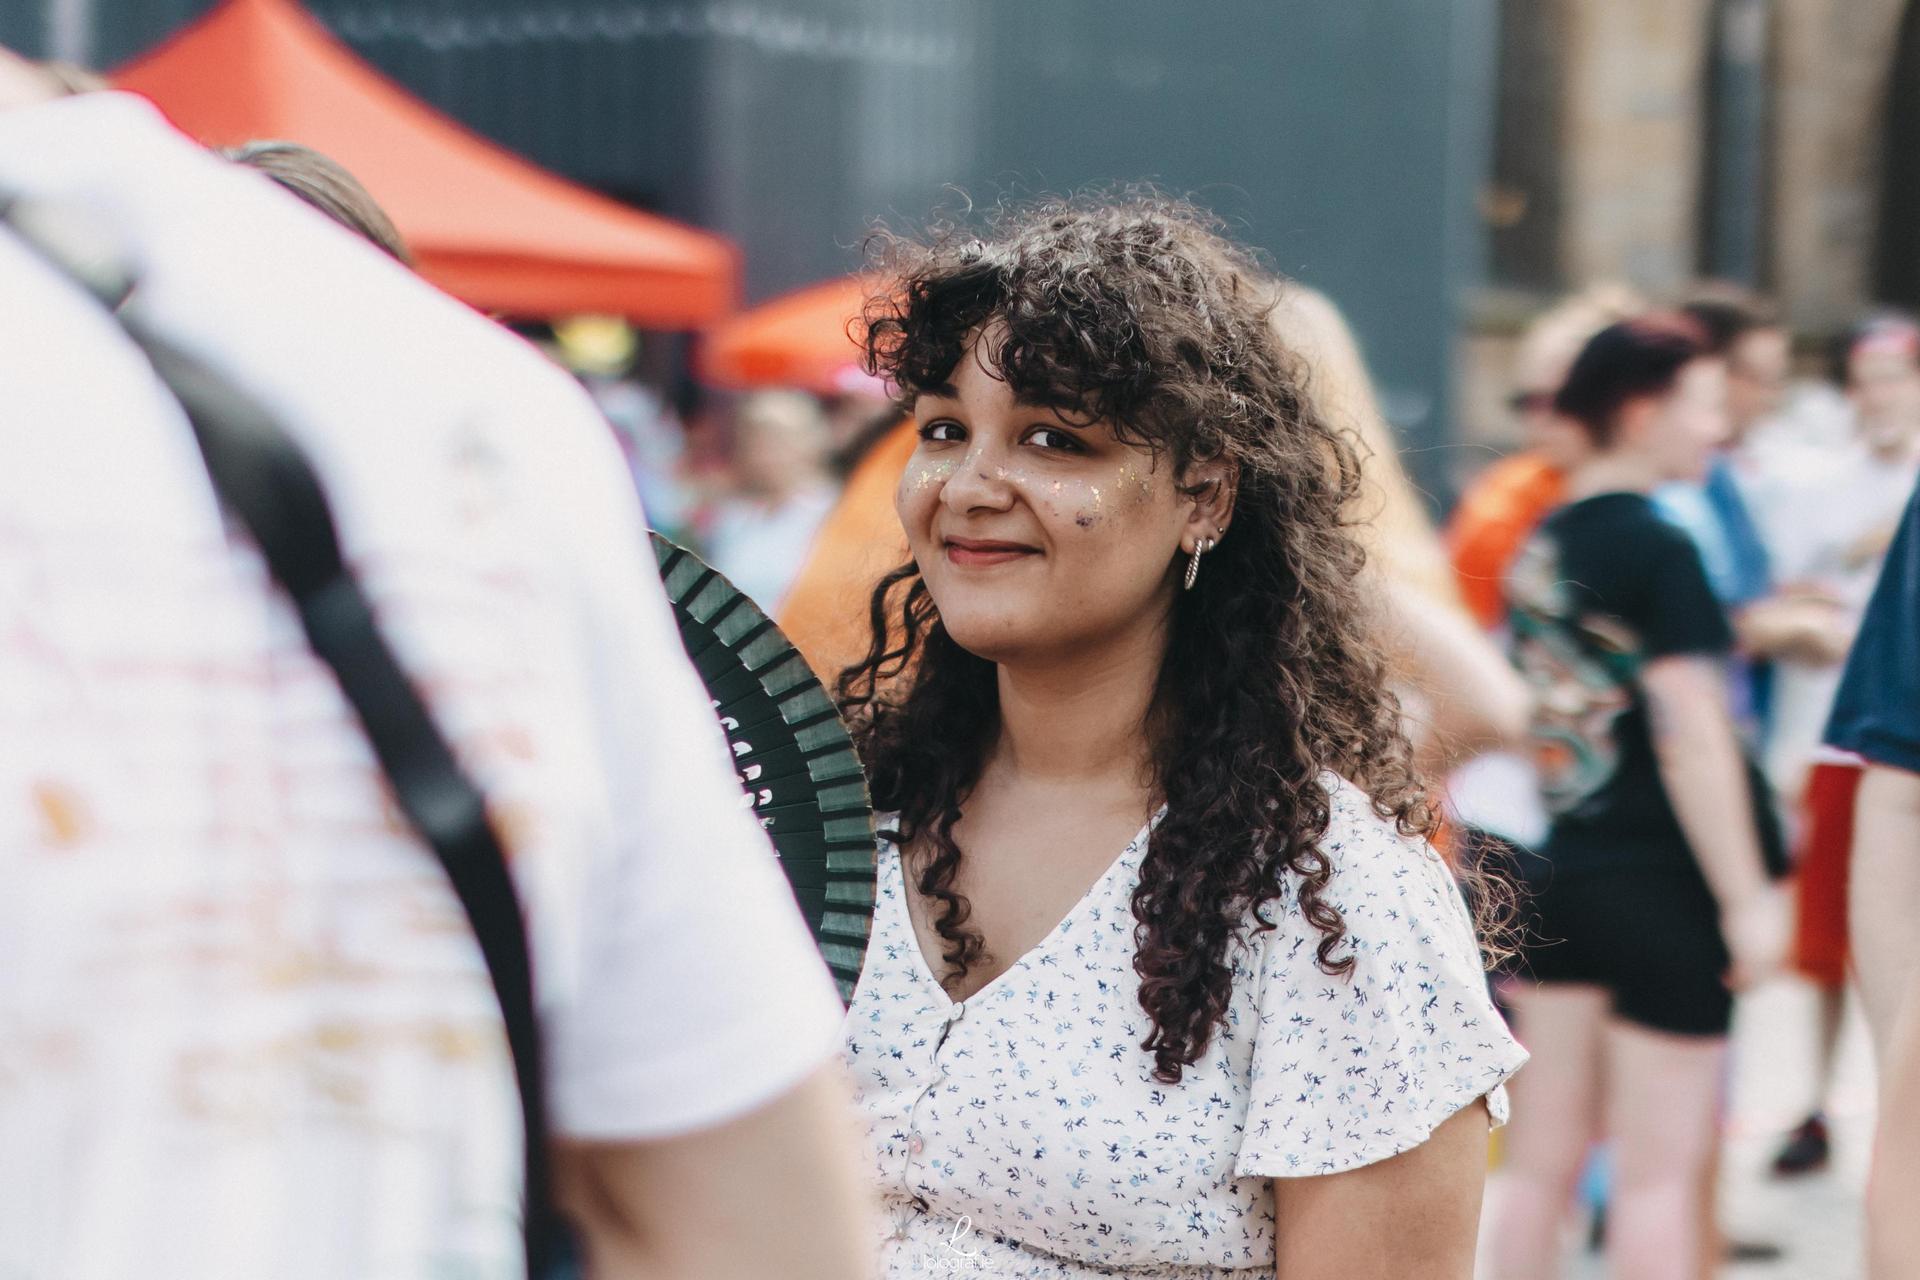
(915, 1143)
(900, 1230)
(954, 1014)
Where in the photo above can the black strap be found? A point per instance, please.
(265, 480)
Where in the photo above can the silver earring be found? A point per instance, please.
(1200, 548)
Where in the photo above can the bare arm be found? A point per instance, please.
(1416, 1214)
(1470, 698)
(1885, 898)
(775, 1192)
(1893, 1229)
(1706, 779)
(1805, 628)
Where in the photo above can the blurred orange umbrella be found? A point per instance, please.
(803, 339)
(490, 228)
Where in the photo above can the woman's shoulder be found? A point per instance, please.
(1361, 1063)
(1375, 869)
(1371, 840)
(1401, 909)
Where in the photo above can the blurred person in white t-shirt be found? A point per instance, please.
(784, 487)
(1829, 527)
(247, 1030)
(1828, 517)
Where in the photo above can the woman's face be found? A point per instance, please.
(1037, 535)
(1691, 421)
(1884, 384)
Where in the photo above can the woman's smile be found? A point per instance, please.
(977, 553)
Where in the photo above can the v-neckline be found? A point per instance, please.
(924, 969)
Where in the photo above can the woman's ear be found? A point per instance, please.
(1210, 486)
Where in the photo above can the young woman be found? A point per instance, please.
(1650, 897)
(1165, 982)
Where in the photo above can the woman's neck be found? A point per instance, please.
(1082, 718)
(1612, 473)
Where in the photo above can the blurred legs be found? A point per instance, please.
(1885, 895)
(1663, 1117)
(1556, 1118)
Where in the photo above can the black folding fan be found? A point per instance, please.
(795, 761)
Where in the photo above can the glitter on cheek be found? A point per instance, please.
(925, 475)
(1087, 519)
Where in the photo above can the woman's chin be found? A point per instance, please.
(997, 639)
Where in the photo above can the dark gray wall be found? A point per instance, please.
(1348, 139)
(1528, 147)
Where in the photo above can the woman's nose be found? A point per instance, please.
(980, 482)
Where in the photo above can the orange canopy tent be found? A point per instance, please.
(803, 339)
(483, 224)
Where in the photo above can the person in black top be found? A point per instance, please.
(1877, 717)
(1650, 900)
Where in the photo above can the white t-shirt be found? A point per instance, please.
(244, 1029)
(1019, 1133)
(1813, 517)
(760, 548)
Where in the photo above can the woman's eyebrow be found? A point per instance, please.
(1072, 417)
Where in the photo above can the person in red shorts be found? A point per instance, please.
(1820, 920)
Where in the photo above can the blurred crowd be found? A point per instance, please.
(746, 480)
(1789, 475)
(1631, 650)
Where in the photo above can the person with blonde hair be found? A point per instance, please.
(1460, 696)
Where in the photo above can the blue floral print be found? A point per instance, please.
(1019, 1133)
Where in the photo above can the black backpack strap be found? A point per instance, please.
(265, 479)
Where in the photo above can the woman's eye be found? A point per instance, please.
(1054, 439)
(943, 429)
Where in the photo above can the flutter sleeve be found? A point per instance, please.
(1349, 1069)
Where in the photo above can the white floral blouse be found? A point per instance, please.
(1020, 1134)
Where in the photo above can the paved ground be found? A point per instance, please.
(1816, 1220)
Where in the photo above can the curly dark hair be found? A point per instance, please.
(1135, 310)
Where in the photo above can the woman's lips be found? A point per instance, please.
(972, 552)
